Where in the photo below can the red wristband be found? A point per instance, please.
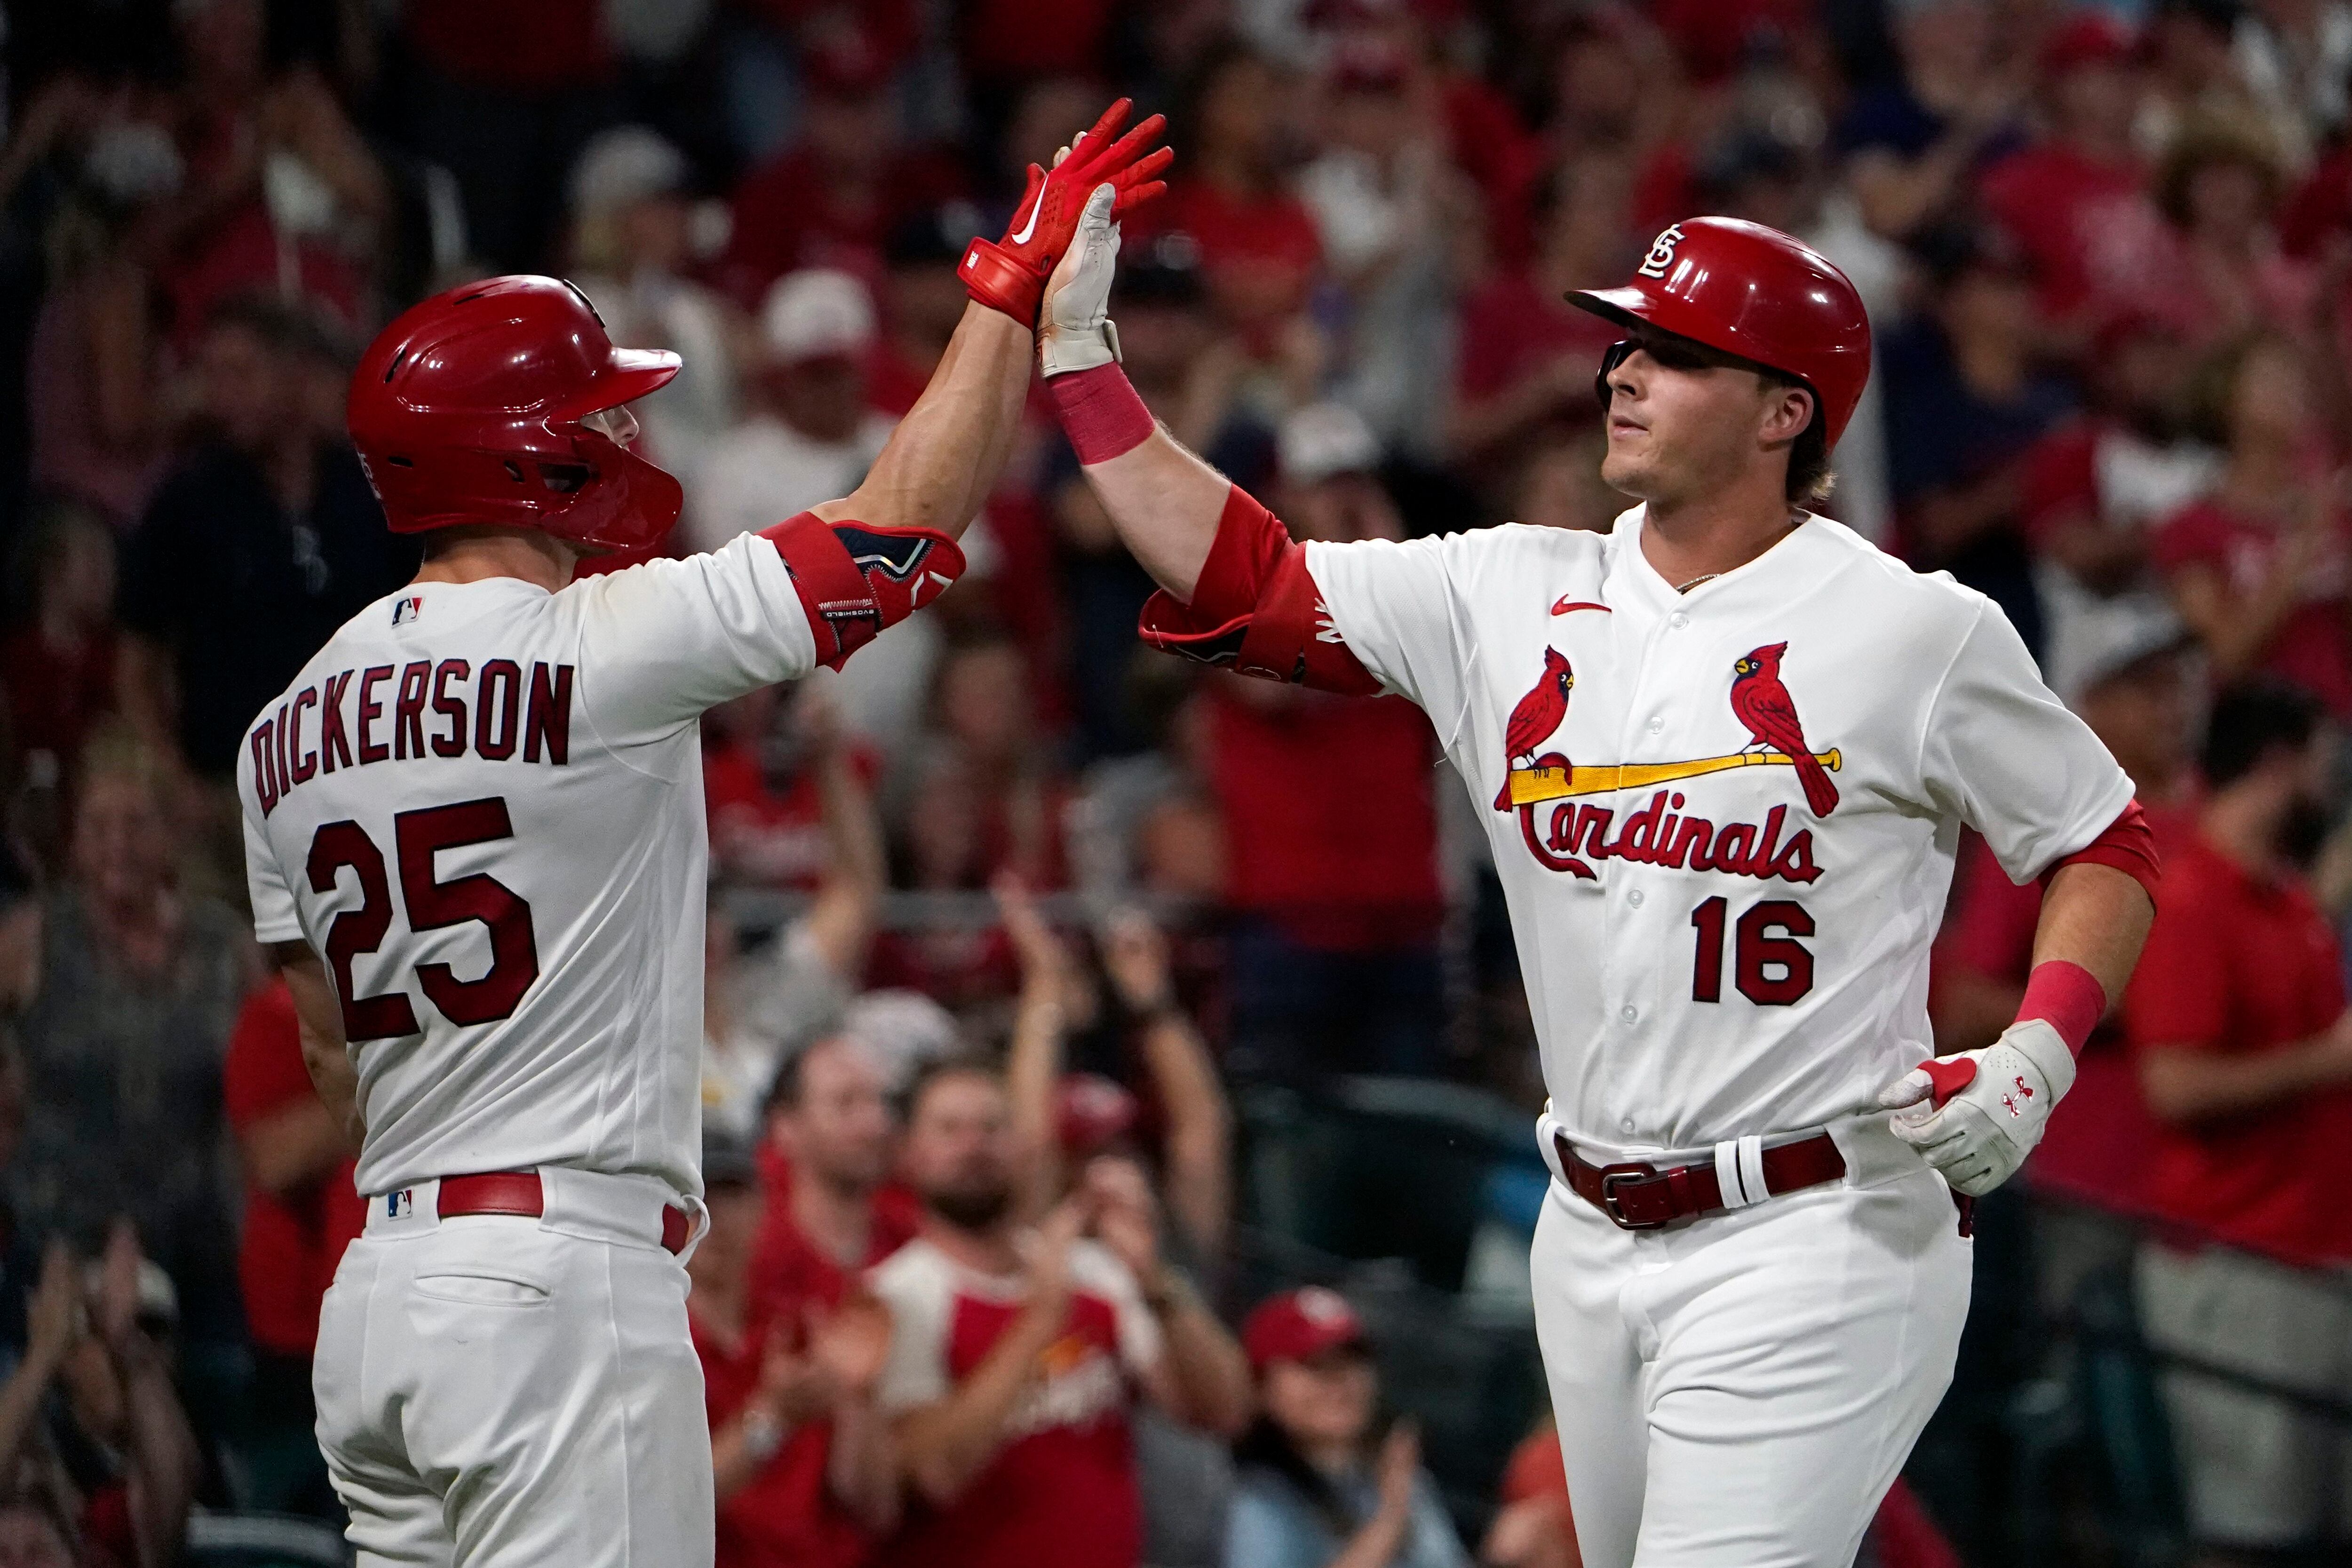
(1100, 413)
(2066, 997)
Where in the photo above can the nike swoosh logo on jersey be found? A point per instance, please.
(1563, 604)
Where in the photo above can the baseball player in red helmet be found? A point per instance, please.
(1723, 753)
(473, 836)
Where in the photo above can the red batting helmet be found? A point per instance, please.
(467, 409)
(1753, 292)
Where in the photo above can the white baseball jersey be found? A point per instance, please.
(1717, 939)
(482, 804)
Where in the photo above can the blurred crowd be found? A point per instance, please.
(1006, 916)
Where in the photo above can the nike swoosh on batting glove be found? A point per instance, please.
(1975, 1116)
(1009, 273)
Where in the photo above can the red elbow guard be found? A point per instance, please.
(2127, 845)
(857, 579)
(1256, 609)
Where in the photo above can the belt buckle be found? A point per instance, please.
(1611, 1177)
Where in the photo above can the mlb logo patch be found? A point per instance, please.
(407, 608)
(400, 1204)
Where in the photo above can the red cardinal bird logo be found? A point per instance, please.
(1538, 715)
(1763, 706)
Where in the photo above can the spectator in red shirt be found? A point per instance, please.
(830, 200)
(2224, 274)
(2127, 672)
(1528, 359)
(58, 672)
(1015, 1356)
(1331, 824)
(1258, 245)
(2261, 567)
(301, 1209)
(800, 1459)
(2237, 1017)
(2078, 199)
(832, 1210)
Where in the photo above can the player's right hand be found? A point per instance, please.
(1009, 273)
(1074, 330)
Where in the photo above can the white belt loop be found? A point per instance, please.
(1751, 1168)
(1726, 1176)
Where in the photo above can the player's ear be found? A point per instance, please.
(1787, 410)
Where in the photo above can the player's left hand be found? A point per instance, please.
(1975, 1116)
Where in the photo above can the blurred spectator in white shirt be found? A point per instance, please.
(813, 434)
(634, 237)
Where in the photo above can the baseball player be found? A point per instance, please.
(1723, 753)
(474, 834)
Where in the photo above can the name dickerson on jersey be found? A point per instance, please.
(388, 713)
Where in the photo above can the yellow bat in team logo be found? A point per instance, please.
(1532, 785)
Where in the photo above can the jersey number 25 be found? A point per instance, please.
(432, 905)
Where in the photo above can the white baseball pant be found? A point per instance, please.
(498, 1392)
(1740, 1390)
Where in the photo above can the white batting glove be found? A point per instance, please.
(1074, 330)
(1977, 1115)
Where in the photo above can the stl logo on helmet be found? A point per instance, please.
(1578, 833)
(1662, 252)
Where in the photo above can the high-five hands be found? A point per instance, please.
(1009, 273)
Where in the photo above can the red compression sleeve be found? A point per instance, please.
(1100, 413)
(2066, 997)
(2128, 846)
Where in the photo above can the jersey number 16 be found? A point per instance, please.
(1770, 970)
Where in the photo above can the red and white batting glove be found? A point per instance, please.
(1975, 1116)
(1009, 273)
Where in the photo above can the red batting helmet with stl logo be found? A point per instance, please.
(1753, 292)
(470, 408)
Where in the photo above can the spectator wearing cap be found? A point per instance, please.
(262, 518)
(1016, 1355)
(812, 433)
(2077, 199)
(2093, 489)
(302, 1208)
(1189, 371)
(1331, 824)
(1326, 1483)
(633, 245)
(1965, 398)
(2126, 666)
(2219, 188)
(1913, 141)
(830, 199)
(802, 1461)
(2236, 1017)
(2261, 565)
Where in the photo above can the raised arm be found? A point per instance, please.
(1235, 591)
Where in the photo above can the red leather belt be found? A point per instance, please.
(1640, 1197)
(518, 1192)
